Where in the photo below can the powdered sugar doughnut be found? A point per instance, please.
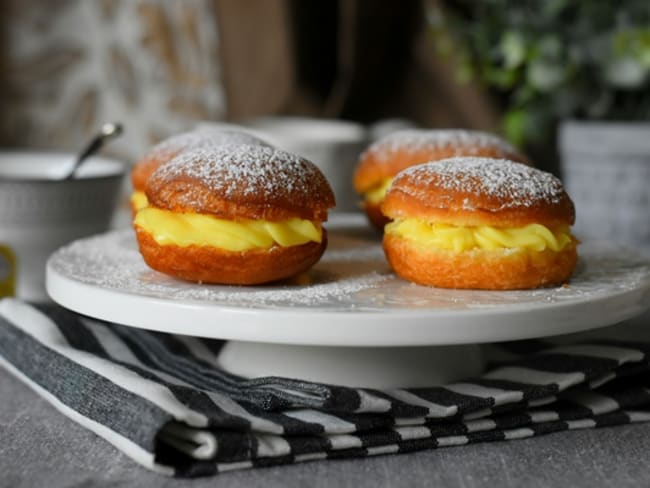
(479, 223)
(234, 214)
(402, 149)
(171, 147)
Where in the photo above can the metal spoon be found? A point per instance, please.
(107, 132)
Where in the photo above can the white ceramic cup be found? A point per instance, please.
(39, 212)
(332, 145)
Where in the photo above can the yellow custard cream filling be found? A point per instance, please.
(377, 194)
(533, 237)
(139, 200)
(187, 229)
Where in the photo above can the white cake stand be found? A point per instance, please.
(349, 320)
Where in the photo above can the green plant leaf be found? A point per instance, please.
(550, 46)
(625, 73)
(513, 49)
(545, 76)
(550, 59)
(514, 126)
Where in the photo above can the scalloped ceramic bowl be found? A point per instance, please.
(39, 212)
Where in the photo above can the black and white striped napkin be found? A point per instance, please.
(162, 400)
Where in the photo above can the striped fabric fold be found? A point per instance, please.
(163, 400)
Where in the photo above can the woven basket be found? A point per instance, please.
(606, 169)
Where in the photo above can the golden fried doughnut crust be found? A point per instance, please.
(478, 191)
(171, 147)
(241, 181)
(479, 269)
(141, 172)
(402, 149)
(376, 218)
(204, 264)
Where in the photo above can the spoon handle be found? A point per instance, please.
(107, 132)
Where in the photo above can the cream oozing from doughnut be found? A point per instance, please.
(234, 214)
(479, 223)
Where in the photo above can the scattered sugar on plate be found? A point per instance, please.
(355, 283)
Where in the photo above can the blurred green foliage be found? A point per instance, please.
(551, 59)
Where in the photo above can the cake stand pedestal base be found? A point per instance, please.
(368, 367)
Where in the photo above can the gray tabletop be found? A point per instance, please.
(40, 447)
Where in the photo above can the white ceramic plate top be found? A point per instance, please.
(350, 298)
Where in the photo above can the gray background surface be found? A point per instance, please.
(39, 447)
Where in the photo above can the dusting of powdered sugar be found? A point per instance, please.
(515, 184)
(416, 140)
(352, 277)
(113, 262)
(200, 138)
(266, 173)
